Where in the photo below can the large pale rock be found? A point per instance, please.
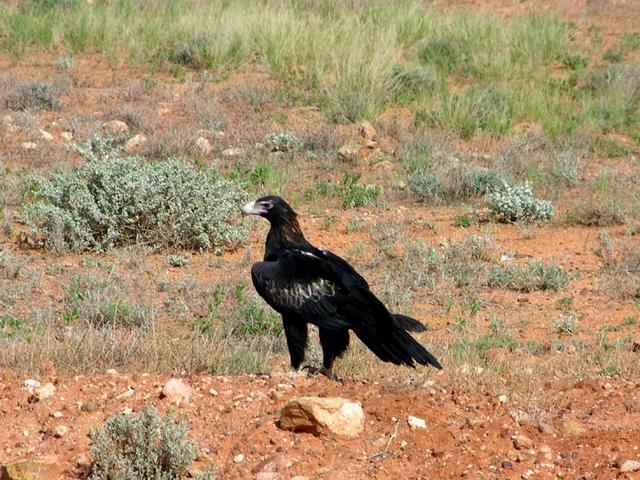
(321, 415)
(368, 131)
(134, 143)
(116, 126)
(203, 145)
(43, 392)
(177, 391)
(33, 469)
(348, 152)
(628, 466)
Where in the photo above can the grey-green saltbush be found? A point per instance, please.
(517, 203)
(115, 200)
(140, 447)
(283, 141)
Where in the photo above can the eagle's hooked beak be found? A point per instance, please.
(253, 208)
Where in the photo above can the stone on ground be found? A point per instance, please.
(318, 415)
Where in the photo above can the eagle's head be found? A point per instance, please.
(271, 207)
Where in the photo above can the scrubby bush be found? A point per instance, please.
(517, 204)
(441, 183)
(32, 95)
(534, 275)
(102, 305)
(115, 200)
(283, 141)
(352, 193)
(140, 447)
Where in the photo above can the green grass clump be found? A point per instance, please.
(115, 200)
(352, 193)
(141, 446)
(442, 183)
(491, 109)
(532, 276)
(100, 305)
(12, 327)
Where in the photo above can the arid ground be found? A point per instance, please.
(536, 320)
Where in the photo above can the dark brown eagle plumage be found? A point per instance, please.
(306, 285)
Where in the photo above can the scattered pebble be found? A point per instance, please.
(60, 431)
(416, 422)
(31, 383)
(238, 458)
(522, 442)
(628, 466)
(29, 145)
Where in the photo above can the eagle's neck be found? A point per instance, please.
(284, 234)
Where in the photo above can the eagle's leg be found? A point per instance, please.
(296, 333)
(334, 343)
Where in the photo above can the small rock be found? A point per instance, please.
(36, 469)
(546, 428)
(176, 391)
(238, 458)
(133, 144)
(528, 474)
(44, 392)
(56, 414)
(522, 442)
(317, 415)
(116, 126)
(45, 135)
(502, 398)
(370, 144)
(213, 392)
(29, 145)
(83, 461)
(233, 152)
(204, 146)
(383, 165)
(633, 405)
(111, 371)
(588, 384)
(89, 406)
(348, 152)
(507, 464)
(416, 422)
(68, 136)
(126, 394)
(31, 383)
(368, 131)
(60, 431)
(403, 444)
(628, 466)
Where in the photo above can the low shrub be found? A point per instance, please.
(141, 446)
(115, 200)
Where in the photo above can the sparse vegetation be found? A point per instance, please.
(141, 446)
(533, 275)
(352, 193)
(283, 141)
(481, 118)
(115, 200)
(32, 95)
(517, 204)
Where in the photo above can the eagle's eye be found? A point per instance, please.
(268, 205)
